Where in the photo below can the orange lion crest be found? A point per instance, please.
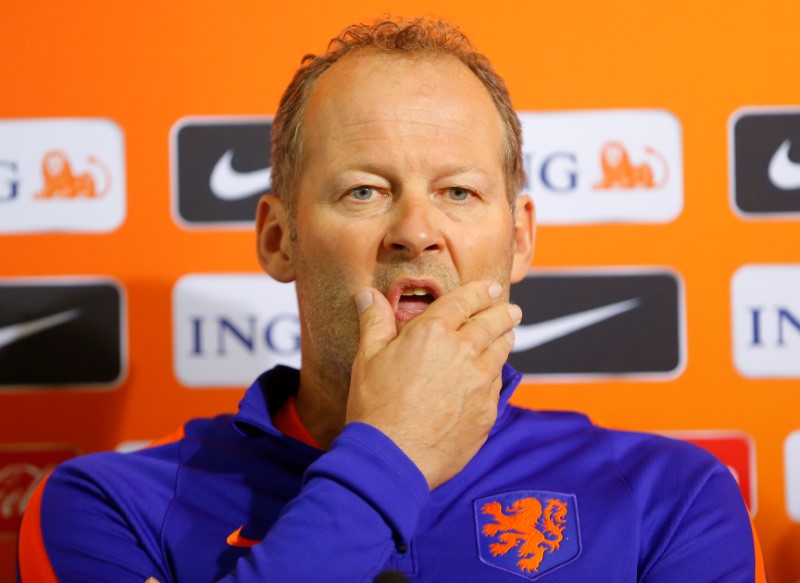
(524, 525)
(61, 182)
(620, 172)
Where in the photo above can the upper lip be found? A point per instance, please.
(398, 287)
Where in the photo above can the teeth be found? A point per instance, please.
(416, 291)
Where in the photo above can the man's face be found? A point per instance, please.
(402, 189)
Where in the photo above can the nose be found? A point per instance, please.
(414, 228)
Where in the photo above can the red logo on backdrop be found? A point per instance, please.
(61, 182)
(21, 470)
(734, 449)
(620, 172)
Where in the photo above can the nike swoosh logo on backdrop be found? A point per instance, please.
(533, 335)
(783, 173)
(16, 332)
(228, 184)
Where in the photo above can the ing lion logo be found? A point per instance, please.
(526, 527)
(61, 182)
(620, 172)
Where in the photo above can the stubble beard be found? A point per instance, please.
(328, 313)
(329, 320)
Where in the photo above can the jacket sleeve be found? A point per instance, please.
(710, 539)
(359, 501)
(71, 532)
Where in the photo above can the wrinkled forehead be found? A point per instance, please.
(421, 93)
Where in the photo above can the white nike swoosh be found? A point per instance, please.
(16, 332)
(534, 335)
(784, 173)
(228, 184)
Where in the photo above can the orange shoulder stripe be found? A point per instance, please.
(34, 564)
(176, 435)
(761, 571)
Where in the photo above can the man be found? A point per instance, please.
(397, 170)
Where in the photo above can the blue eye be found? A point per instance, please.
(362, 192)
(458, 194)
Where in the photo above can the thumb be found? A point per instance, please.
(375, 320)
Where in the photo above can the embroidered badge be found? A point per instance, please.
(528, 532)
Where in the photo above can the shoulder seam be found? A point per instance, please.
(665, 544)
(161, 530)
(615, 456)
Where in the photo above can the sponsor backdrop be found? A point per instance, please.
(662, 146)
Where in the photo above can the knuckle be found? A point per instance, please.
(487, 417)
(468, 347)
(485, 328)
(502, 346)
(463, 308)
(488, 371)
(497, 353)
(436, 326)
(363, 354)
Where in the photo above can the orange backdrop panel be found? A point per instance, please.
(147, 64)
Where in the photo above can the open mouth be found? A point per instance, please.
(410, 298)
(414, 300)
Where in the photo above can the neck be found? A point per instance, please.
(322, 403)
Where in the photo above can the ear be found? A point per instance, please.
(273, 239)
(524, 237)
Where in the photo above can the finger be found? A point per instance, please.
(495, 356)
(457, 306)
(488, 325)
(375, 320)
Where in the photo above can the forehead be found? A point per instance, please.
(434, 96)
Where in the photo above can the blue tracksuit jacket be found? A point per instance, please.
(549, 497)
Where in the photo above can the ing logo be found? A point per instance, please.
(52, 179)
(765, 301)
(633, 157)
(61, 182)
(9, 180)
(527, 532)
(224, 332)
(620, 172)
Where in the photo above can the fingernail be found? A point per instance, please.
(516, 313)
(495, 290)
(363, 300)
(510, 336)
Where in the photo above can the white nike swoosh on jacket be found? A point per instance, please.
(228, 184)
(16, 332)
(533, 335)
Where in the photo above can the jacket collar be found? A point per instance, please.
(270, 390)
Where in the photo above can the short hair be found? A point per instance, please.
(413, 37)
